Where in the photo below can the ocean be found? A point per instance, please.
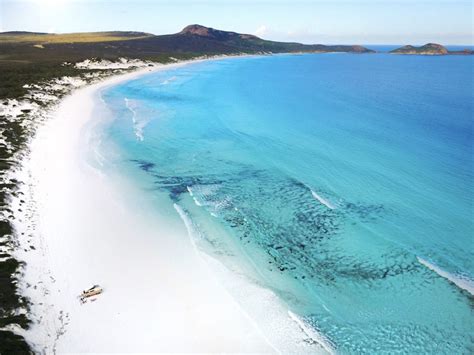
(342, 183)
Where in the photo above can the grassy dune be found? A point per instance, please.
(83, 37)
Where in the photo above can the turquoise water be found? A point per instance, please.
(341, 182)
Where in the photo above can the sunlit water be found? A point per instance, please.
(344, 183)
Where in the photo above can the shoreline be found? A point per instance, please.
(87, 245)
(146, 264)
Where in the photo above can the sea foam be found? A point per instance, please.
(461, 282)
(138, 125)
(196, 201)
(167, 81)
(311, 333)
(322, 200)
(283, 330)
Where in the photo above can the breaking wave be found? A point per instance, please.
(312, 334)
(207, 196)
(461, 282)
(167, 81)
(283, 330)
(322, 200)
(138, 125)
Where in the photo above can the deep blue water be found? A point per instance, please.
(345, 182)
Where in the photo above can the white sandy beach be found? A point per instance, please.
(160, 294)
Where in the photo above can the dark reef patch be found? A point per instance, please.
(300, 236)
(144, 165)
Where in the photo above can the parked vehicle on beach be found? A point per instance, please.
(91, 292)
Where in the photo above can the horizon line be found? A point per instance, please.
(263, 38)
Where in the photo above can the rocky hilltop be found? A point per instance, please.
(193, 40)
(34, 56)
(428, 49)
(237, 42)
(213, 33)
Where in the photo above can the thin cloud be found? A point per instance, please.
(261, 31)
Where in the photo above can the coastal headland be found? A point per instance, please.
(51, 252)
(40, 69)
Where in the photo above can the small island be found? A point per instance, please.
(429, 49)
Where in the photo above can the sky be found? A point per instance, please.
(308, 21)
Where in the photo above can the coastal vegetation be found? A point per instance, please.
(10, 301)
(32, 57)
(28, 59)
(39, 39)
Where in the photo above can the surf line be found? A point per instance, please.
(317, 197)
(463, 283)
(137, 127)
(322, 200)
(312, 334)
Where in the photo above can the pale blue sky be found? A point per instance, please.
(317, 21)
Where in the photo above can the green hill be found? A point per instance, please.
(27, 57)
(191, 41)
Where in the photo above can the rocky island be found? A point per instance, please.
(429, 49)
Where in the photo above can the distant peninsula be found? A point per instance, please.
(31, 57)
(193, 40)
(429, 49)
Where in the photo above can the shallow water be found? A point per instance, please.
(341, 182)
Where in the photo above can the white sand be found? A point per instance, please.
(161, 294)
